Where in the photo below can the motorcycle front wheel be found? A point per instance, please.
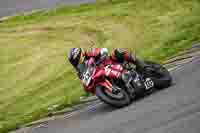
(116, 100)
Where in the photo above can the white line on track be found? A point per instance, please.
(83, 110)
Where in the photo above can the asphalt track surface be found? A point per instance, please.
(172, 110)
(13, 7)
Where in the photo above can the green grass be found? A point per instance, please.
(35, 74)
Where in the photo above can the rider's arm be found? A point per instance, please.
(122, 55)
(93, 52)
(130, 57)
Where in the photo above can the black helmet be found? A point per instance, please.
(74, 56)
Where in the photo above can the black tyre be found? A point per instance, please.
(160, 75)
(113, 99)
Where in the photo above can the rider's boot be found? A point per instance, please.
(127, 78)
(133, 82)
(144, 68)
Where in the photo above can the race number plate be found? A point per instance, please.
(148, 84)
(86, 78)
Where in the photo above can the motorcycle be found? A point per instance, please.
(99, 80)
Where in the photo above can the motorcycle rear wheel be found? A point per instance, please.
(162, 77)
(119, 102)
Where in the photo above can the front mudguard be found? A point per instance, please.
(107, 85)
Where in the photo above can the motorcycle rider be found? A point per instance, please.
(119, 55)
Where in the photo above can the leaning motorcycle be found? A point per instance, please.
(97, 79)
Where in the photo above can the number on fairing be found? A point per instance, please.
(148, 84)
(86, 78)
(86, 75)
